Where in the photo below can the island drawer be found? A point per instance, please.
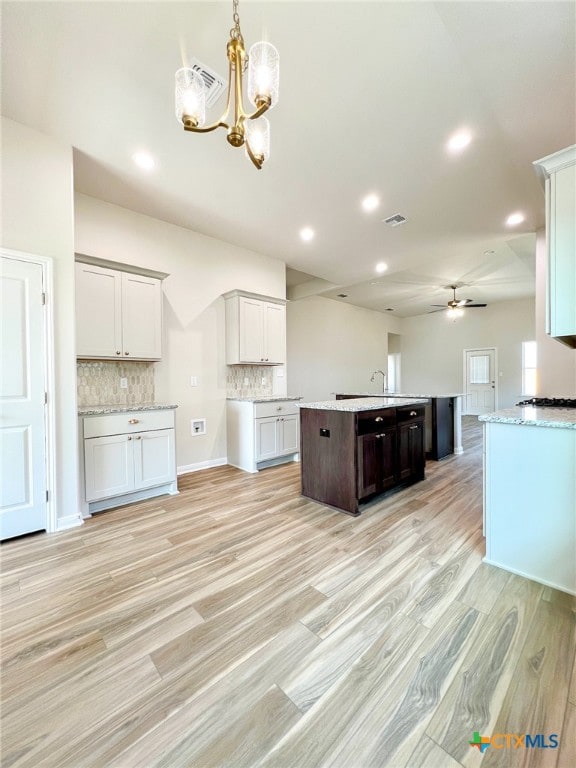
(410, 413)
(128, 422)
(374, 421)
(275, 408)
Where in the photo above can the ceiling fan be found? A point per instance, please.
(455, 303)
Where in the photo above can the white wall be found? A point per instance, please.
(200, 270)
(334, 347)
(432, 347)
(37, 218)
(556, 361)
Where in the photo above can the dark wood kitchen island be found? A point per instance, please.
(356, 449)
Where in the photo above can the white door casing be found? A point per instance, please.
(25, 435)
(480, 381)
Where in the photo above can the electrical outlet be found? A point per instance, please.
(193, 381)
(246, 381)
(123, 383)
(263, 381)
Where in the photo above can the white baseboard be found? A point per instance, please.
(70, 521)
(186, 468)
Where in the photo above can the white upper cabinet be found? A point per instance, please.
(118, 314)
(559, 173)
(255, 330)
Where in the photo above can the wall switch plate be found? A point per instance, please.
(246, 381)
(123, 383)
(263, 381)
(193, 381)
(280, 372)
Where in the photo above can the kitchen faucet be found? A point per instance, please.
(383, 379)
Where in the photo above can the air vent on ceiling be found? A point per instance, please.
(394, 221)
(215, 84)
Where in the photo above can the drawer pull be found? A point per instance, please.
(414, 426)
(378, 419)
(133, 421)
(129, 438)
(138, 437)
(279, 408)
(413, 413)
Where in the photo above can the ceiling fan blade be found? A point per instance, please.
(466, 306)
(435, 310)
(463, 302)
(439, 305)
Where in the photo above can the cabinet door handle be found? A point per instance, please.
(133, 421)
(414, 426)
(279, 408)
(413, 413)
(129, 438)
(118, 352)
(126, 353)
(378, 419)
(138, 437)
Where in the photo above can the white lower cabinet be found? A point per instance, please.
(262, 434)
(275, 436)
(124, 461)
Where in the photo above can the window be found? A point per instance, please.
(529, 370)
(479, 369)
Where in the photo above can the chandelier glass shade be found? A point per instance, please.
(243, 128)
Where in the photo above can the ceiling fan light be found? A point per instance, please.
(263, 74)
(190, 96)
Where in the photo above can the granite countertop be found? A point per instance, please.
(94, 410)
(363, 404)
(561, 418)
(401, 394)
(270, 399)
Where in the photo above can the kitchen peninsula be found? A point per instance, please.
(352, 450)
(530, 493)
(443, 417)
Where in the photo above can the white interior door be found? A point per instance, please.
(23, 507)
(480, 381)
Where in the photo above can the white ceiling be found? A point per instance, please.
(369, 94)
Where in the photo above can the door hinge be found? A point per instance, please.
(45, 398)
(43, 298)
(47, 495)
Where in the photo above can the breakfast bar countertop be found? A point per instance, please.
(363, 404)
(400, 394)
(533, 416)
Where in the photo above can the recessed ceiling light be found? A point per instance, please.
(144, 160)
(514, 219)
(459, 141)
(307, 233)
(342, 295)
(381, 267)
(370, 203)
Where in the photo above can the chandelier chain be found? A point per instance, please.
(235, 32)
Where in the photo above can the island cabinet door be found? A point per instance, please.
(410, 452)
(368, 459)
(377, 465)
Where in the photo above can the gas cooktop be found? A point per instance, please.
(550, 402)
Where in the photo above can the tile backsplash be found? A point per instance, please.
(98, 382)
(249, 381)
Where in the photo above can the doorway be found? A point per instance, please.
(25, 434)
(480, 381)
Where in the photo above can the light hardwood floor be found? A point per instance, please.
(239, 624)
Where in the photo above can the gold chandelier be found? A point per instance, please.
(251, 130)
